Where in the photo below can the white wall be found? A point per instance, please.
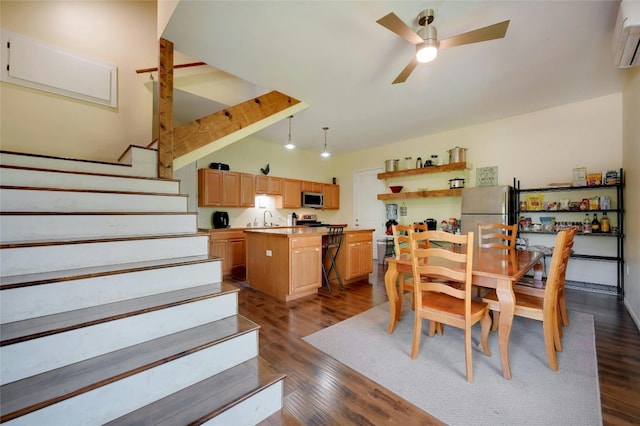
(631, 160)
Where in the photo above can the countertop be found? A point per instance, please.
(298, 231)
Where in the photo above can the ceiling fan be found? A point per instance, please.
(426, 38)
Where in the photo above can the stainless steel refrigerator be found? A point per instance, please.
(487, 204)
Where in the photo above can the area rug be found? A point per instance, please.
(436, 380)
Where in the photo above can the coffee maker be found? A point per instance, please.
(220, 220)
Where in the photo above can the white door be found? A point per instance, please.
(368, 211)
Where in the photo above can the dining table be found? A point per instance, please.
(492, 268)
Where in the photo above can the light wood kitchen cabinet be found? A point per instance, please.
(209, 187)
(231, 247)
(230, 189)
(306, 266)
(355, 259)
(268, 185)
(331, 196)
(218, 188)
(247, 190)
(290, 194)
(308, 186)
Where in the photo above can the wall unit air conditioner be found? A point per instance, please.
(626, 38)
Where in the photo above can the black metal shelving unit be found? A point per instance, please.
(618, 211)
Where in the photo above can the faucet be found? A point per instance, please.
(265, 216)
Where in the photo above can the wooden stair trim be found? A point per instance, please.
(33, 328)
(53, 277)
(148, 148)
(33, 393)
(77, 172)
(137, 237)
(92, 191)
(193, 405)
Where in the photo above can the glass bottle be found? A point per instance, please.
(595, 224)
(605, 224)
(586, 224)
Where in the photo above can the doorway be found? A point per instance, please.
(368, 211)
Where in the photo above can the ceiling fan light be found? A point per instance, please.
(426, 52)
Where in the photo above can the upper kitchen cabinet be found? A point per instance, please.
(331, 196)
(209, 187)
(308, 186)
(268, 185)
(218, 188)
(247, 190)
(291, 189)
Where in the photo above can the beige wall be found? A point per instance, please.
(44, 123)
(250, 155)
(631, 159)
(537, 148)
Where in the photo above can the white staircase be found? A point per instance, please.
(111, 310)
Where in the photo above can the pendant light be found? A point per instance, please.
(325, 153)
(290, 144)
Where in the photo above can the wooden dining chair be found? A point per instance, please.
(529, 286)
(436, 299)
(497, 235)
(542, 309)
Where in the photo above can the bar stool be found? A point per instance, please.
(331, 248)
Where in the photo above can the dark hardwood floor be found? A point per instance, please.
(321, 391)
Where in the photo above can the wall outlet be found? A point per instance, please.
(269, 253)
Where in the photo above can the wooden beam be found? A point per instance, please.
(165, 110)
(207, 130)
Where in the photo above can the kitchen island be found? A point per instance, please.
(287, 262)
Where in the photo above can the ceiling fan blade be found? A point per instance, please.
(395, 24)
(402, 77)
(491, 32)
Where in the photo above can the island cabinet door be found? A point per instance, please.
(306, 265)
(358, 255)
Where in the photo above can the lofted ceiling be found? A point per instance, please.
(333, 56)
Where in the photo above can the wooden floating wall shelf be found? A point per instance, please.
(424, 170)
(421, 171)
(422, 194)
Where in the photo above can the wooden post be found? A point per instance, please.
(165, 110)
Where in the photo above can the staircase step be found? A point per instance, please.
(22, 199)
(33, 328)
(28, 296)
(86, 392)
(18, 259)
(30, 357)
(136, 161)
(27, 226)
(51, 178)
(211, 397)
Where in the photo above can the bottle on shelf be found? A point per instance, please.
(586, 224)
(595, 224)
(605, 223)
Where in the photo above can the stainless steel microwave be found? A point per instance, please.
(313, 200)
